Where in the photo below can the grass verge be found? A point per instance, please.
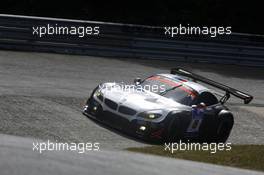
(241, 156)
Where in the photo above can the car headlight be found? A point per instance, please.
(151, 114)
(99, 95)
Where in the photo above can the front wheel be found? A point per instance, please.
(174, 131)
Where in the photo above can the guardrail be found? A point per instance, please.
(131, 41)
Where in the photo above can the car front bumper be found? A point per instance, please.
(147, 130)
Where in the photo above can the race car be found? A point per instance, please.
(166, 107)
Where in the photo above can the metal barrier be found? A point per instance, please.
(131, 41)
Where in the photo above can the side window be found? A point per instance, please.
(206, 97)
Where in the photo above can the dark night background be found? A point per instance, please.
(243, 16)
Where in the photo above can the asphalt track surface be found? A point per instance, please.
(41, 97)
(20, 159)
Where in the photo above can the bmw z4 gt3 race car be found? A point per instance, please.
(166, 107)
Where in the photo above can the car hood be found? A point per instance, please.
(138, 99)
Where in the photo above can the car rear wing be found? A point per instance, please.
(242, 95)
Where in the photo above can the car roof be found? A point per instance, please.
(195, 86)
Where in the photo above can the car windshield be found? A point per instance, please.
(176, 91)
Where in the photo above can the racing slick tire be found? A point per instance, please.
(175, 130)
(225, 125)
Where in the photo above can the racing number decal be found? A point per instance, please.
(197, 117)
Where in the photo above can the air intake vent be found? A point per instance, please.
(111, 104)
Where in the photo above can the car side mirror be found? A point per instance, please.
(200, 105)
(194, 106)
(137, 81)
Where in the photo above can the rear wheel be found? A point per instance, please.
(226, 122)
